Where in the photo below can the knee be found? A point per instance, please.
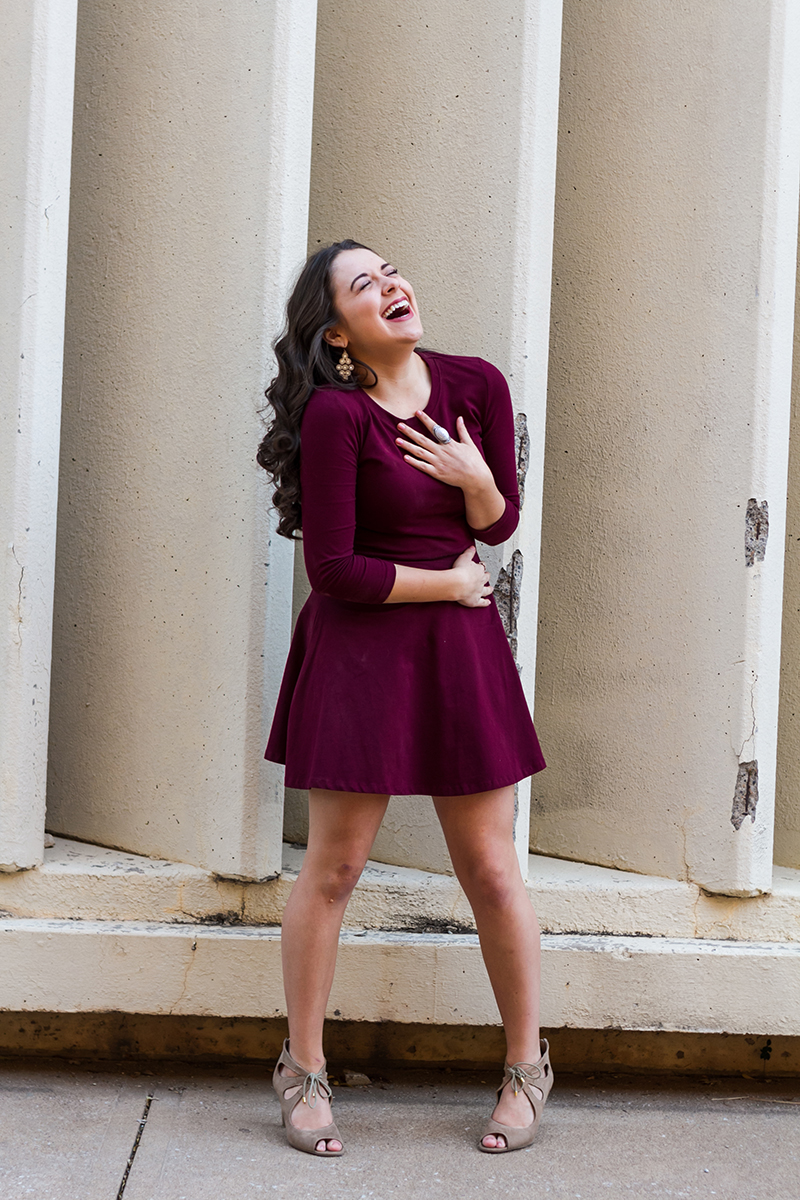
(336, 882)
(491, 885)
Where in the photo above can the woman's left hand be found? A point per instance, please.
(457, 463)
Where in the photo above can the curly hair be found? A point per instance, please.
(305, 362)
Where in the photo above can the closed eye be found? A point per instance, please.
(392, 271)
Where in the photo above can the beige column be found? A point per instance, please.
(36, 87)
(787, 797)
(676, 225)
(434, 142)
(192, 147)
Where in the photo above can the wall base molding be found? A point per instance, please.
(146, 1037)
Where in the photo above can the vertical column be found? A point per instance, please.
(192, 151)
(36, 90)
(787, 792)
(676, 225)
(444, 158)
(529, 320)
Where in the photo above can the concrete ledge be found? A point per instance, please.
(142, 1037)
(589, 981)
(97, 883)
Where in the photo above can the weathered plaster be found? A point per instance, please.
(458, 151)
(36, 90)
(173, 594)
(675, 241)
(787, 799)
(94, 883)
(588, 981)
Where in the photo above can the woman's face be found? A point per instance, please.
(377, 307)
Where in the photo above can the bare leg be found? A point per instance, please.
(342, 828)
(479, 834)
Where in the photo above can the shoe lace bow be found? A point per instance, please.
(315, 1086)
(518, 1076)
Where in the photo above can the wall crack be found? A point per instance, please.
(186, 971)
(20, 583)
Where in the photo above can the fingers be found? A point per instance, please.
(419, 448)
(419, 438)
(463, 432)
(429, 423)
(428, 467)
(426, 420)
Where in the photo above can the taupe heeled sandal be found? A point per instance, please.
(310, 1086)
(521, 1076)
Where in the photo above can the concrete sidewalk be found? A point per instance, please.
(213, 1133)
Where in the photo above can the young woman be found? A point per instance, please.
(400, 679)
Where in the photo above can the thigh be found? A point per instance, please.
(478, 829)
(343, 825)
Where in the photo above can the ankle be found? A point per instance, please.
(527, 1053)
(310, 1058)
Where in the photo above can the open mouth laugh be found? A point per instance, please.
(396, 310)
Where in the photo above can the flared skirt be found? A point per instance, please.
(402, 699)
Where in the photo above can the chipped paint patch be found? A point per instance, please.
(522, 448)
(745, 796)
(756, 531)
(507, 593)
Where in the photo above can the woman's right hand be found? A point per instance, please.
(473, 587)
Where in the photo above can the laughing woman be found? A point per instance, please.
(393, 461)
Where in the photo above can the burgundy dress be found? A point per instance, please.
(399, 699)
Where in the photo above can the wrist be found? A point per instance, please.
(456, 581)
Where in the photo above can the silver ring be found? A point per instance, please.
(441, 435)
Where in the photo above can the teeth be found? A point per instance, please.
(393, 308)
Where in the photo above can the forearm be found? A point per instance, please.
(485, 505)
(416, 585)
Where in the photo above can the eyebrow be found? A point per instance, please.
(364, 275)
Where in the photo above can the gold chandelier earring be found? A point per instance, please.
(345, 366)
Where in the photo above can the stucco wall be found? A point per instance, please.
(191, 158)
(37, 64)
(787, 798)
(434, 143)
(668, 411)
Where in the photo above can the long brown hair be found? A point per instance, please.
(305, 362)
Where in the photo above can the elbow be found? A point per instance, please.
(502, 529)
(326, 579)
(353, 578)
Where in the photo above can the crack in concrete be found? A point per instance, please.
(683, 849)
(752, 734)
(19, 594)
(186, 972)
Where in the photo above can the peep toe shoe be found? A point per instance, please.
(309, 1085)
(523, 1077)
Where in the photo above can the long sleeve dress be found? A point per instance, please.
(408, 699)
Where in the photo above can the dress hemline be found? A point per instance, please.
(328, 785)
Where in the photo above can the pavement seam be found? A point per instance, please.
(135, 1146)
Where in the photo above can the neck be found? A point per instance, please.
(402, 374)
